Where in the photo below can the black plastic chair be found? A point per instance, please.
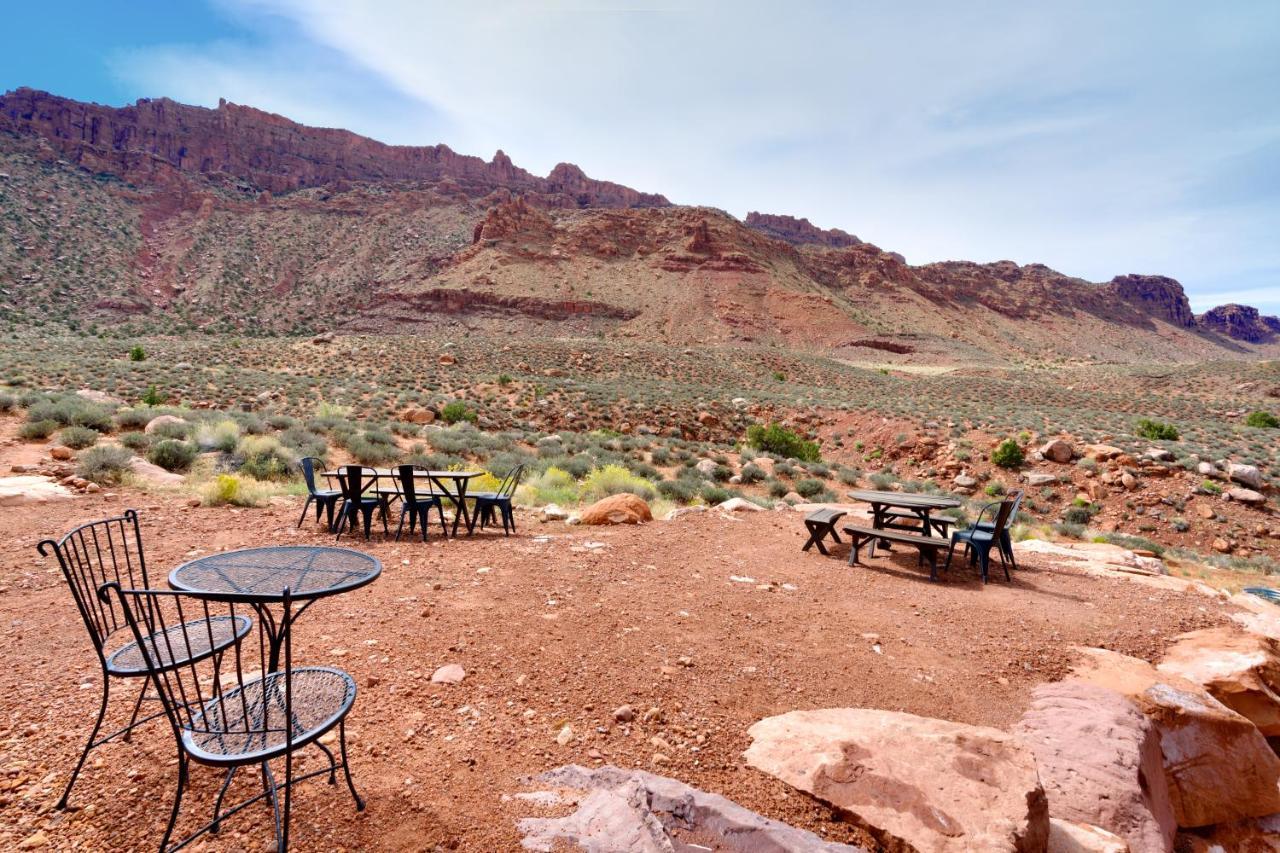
(325, 499)
(500, 501)
(978, 542)
(355, 481)
(91, 555)
(227, 706)
(1006, 538)
(417, 506)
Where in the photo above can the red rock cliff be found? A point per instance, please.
(799, 231)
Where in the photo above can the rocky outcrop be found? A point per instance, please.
(1100, 763)
(1241, 323)
(617, 509)
(460, 301)
(631, 811)
(1240, 670)
(1157, 296)
(1218, 766)
(799, 231)
(914, 783)
(159, 140)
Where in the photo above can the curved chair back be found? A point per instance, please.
(511, 482)
(1004, 515)
(99, 552)
(309, 465)
(1017, 502)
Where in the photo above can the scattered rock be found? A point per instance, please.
(447, 359)
(450, 673)
(418, 415)
(152, 473)
(1100, 763)
(1218, 765)
(95, 396)
(631, 811)
(965, 481)
(322, 338)
(617, 509)
(17, 491)
(565, 736)
(552, 512)
(61, 453)
(683, 511)
(160, 420)
(739, 505)
(1058, 450)
(912, 782)
(1246, 474)
(1245, 496)
(1036, 478)
(1240, 670)
(1101, 452)
(705, 466)
(624, 714)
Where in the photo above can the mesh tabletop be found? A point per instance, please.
(306, 571)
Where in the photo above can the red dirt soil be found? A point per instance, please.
(550, 632)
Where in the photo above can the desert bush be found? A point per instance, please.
(994, 489)
(137, 353)
(1077, 515)
(1007, 454)
(135, 441)
(105, 464)
(1069, 529)
(615, 479)
(229, 489)
(849, 476)
(1262, 420)
(1156, 430)
(152, 396)
(281, 422)
(304, 442)
(809, 487)
(370, 452)
(713, 495)
(776, 488)
(1133, 543)
(171, 429)
(552, 486)
(71, 411)
(680, 491)
(172, 454)
(7, 402)
(776, 438)
(37, 430)
(456, 412)
(751, 473)
(77, 437)
(265, 458)
(134, 418)
(223, 436)
(880, 480)
(250, 423)
(1211, 487)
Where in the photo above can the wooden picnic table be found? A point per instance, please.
(458, 494)
(884, 514)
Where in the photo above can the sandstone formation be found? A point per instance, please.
(799, 231)
(631, 811)
(1100, 763)
(1240, 670)
(912, 782)
(617, 509)
(1218, 766)
(1068, 837)
(1241, 322)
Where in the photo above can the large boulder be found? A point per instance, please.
(1058, 450)
(19, 491)
(912, 782)
(1240, 670)
(1100, 763)
(617, 509)
(1068, 837)
(160, 420)
(631, 811)
(1256, 835)
(151, 473)
(1249, 475)
(1218, 766)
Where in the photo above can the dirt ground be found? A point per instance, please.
(714, 621)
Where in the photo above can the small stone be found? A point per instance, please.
(61, 453)
(624, 713)
(565, 735)
(31, 842)
(450, 673)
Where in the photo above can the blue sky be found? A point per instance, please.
(1098, 138)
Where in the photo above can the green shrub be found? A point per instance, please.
(456, 412)
(809, 487)
(1077, 515)
(105, 464)
(177, 430)
(552, 486)
(994, 489)
(135, 441)
(71, 411)
(304, 442)
(172, 454)
(1211, 487)
(680, 491)
(7, 402)
(504, 379)
(882, 481)
(1007, 454)
(776, 438)
(228, 489)
(37, 430)
(265, 458)
(1156, 430)
(152, 396)
(1262, 420)
(751, 473)
(222, 436)
(368, 452)
(77, 437)
(134, 418)
(714, 495)
(776, 488)
(137, 353)
(615, 479)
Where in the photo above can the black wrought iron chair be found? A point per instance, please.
(487, 503)
(1006, 538)
(324, 499)
(227, 706)
(416, 505)
(357, 501)
(92, 554)
(979, 541)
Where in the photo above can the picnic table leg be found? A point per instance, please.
(855, 543)
(462, 510)
(878, 522)
(817, 532)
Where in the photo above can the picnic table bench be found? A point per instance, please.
(822, 523)
(928, 546)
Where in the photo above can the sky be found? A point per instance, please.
(1099, 138)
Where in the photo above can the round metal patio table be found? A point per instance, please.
(308, 572)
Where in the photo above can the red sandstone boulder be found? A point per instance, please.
(1068, 837)
(1218, 766)
(914, 783)
(1240, 670)
(1058, 450)
(617, 509)
(1100, 763)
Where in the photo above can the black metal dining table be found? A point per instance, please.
(884, 506)
(458, 495)
(308, 572)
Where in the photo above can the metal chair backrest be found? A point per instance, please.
(352, 480)
(96, 553)
(214, 661)
(1003, 515)
(406, 481)
(1017, 502)
(309, 465)
(511, 482)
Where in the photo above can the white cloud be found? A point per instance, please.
(1076, 135)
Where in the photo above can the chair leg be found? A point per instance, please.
(946, 567)
(444, 525)
(133, 719)
(333, 763)
(400, 527)
(217, 804)
(177, 802)
(984, 559)
(269, 787)
(102, 712)
(346, 765)
(306, 506)
(329, 507)
(367, 512)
